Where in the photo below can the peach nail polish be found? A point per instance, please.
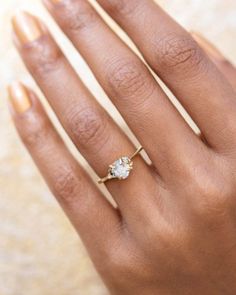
(51, 2)
(55, 1)
(19, 97)
(210, 48)
(26, 27)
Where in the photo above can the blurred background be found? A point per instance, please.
(40, 253)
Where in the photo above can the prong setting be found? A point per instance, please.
(121, 168)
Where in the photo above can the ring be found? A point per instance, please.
(121, 168)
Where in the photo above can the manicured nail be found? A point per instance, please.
(55, 1)
(52, 2)
(19, 97)
(26, 27)
(208, 47)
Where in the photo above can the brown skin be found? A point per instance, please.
(174, 230)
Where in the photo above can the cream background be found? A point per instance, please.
(39, 251)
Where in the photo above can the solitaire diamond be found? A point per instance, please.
(121, 168)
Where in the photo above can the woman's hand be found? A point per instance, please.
(174, 230)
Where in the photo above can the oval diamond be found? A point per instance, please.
(121, 168)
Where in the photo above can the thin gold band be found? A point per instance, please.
(137, 152)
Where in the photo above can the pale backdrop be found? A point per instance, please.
(39, 251)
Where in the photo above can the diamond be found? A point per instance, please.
(121, 168)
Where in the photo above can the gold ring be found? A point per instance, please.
(121, 168)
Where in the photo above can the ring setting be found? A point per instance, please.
(121, 168)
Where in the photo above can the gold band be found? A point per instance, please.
(137, 152)
(121, 168)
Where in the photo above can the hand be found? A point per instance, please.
(174, 228)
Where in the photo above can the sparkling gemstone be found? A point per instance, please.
(121, 168)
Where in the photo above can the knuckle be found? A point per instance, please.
(76, 15)
(151, 230)
(156, 233)
(121, 262)
(87, 125)
(120, 6)
(177, 236)
(178, 51)
(136, 264)
(43, 56)
(167, 237)
(215, 195)
(36, 131)
(128, 78)
(114, 261)
(67, 184)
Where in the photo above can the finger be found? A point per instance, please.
(96, 135)
(223, 64)
(182, 65)
(87, 209)
(129, 84)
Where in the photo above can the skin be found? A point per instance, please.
(173, 229)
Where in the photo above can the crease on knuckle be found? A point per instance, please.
(43, 56)
(67, 184)
(36, 131)
(76, 15)
(178, 51)
(88, 126)
(129, 79)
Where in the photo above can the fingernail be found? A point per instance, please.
(55, 1)
(52, 2)
(26, 27)
(19, 97)
(208, 47)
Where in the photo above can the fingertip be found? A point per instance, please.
(27, 28)
(19, 97)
